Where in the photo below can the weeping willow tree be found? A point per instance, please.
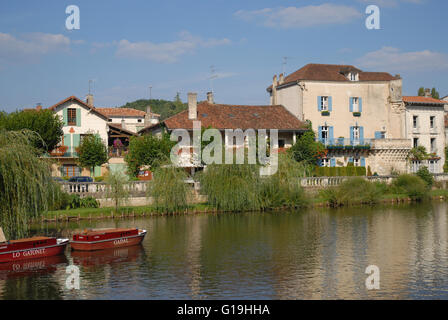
(283, 188)
(116, 188)
(168, 189)
(26, 186)
(231, 187)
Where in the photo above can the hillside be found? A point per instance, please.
(165, 108)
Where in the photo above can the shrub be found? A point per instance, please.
(353, 191)
(411, 186)
(426, 176)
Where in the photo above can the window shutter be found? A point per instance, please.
(319, 162)
(361, 135)
(351, 104)
(78, 117)
(64, 116)
(330, 104)
(360, 104)
(319, 103)
(363, 162)
(350, 160)
(320, 134)
(377, 134)
(351, 135)
(333, 162)
(97, 172)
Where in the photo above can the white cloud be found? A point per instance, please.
(300, 17)
(30, 46)
(166, 52)
(393, 60)
(390, 3)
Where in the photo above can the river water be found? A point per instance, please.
(310, 254)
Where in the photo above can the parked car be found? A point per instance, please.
(80, 179)
(58, 179)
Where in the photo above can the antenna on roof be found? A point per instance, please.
(285, 61)
(213, 76)
(150, 92)
(90, 85)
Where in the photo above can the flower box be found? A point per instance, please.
(356, 114)
(325, 113)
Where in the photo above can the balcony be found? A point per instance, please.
(346, 144)
(64, 152)
(117, 152)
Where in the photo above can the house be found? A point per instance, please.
(225, 116)
(358, 115)
(113, 125)
(425, 126)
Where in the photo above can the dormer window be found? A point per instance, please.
(353, 76)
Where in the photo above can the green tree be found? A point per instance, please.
(426, 176)
(44, 122)
(165, 108)
(92, 152)
(307, 149)
(421, 91)
(148, 150)
(434, 93)
(116, 188)
(26, 186)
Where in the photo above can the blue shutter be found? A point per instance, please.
(331, 142)
(319, 162)
(351, 135)
(351, 104)
(64, 116)
(333, 162)
(78, 117)
(360, 104)
(320, 134)
(330, 104)
(350, 159)
(363, 162)
(319, 103)
(378, 134)
(361, 135)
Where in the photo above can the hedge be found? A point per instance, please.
(348, 171)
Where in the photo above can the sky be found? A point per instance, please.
(177, 46)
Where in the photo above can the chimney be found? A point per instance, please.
(89, 100)
(274, 90)
(192, 106)
(281, 79)
(123, 124)
(210, 97)
(148, 116)
(428, 93)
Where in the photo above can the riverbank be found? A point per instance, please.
(146, 211)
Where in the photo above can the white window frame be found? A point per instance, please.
(355, 104)
(356, 162)
(356, 133)
(324, 103)
(432, 166)
(433, 144)
(415, 122)
(414, 144)
(326, 162)
(432, 122)
(325, 133)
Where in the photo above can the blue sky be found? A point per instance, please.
(127, 46)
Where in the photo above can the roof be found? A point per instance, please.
(73, 98)
(422, 100)
(224, 116)
(333, 72)
(121, 112)
(119, 127)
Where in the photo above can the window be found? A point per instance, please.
(415, 142)
(71, 117)
(110, 120)
(432, 121)
(355, 103)
(324, 103)
(432, 166)
(356, 162)
(353, 76)
(433, 145)
(356, 133)
(139, 120)
(415, 122)
(415, 165)
(324, 133)
(69, 170)
(325, 162)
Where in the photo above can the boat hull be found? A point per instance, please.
(108, 243)
(33, 253)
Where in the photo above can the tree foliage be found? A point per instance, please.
(46, 123)
(307, 149)
(92, 152)
(117, 188)
(26, 186)
(148, 150)
(165, 108)
(434, 92)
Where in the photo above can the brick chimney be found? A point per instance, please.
(89, 100)
(123, 124)
(210, 97)
(192, 106)
(281, 78)
(428, 93)
(274, 90)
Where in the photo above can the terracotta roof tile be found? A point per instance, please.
(118, 112)
(333, 72)
(423, 100)
(222, 116)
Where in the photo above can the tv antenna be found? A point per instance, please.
(150, 92)
(213, 76)
(90, 85)
(285, 61)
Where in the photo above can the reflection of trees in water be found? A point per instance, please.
(34, 287)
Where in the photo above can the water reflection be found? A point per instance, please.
(315, 254)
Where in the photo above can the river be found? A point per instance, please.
(309, 254)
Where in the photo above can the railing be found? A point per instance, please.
(117, 152)
(344, 143)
